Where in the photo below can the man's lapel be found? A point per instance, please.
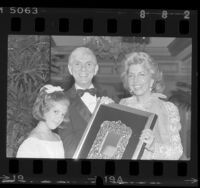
(79, 105)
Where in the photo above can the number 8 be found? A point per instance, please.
(142, 14)
(164, 14)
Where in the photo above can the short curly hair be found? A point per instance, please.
(44, 102)
(148, 62)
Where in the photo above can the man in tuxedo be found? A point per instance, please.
(82, 65)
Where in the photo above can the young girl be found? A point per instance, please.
(49, 109)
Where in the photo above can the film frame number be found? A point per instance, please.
(1, 10)
(23, 10)
(186, 14)
(142, 14)
(113, 179)
(164, 14)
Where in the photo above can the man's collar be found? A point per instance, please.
(78, 87)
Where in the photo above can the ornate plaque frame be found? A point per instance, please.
(114, 122)
(110, 127)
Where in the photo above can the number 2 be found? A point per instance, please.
(187, 14)
(1, 10)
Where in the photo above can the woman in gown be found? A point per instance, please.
(141, 76)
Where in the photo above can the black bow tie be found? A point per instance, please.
(81, 92)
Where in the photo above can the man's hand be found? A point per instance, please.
(105, 100)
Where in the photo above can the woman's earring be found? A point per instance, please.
(151, 88)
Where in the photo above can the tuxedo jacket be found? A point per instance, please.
(79, 116)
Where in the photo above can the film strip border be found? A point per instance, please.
(98, 22)
(98, 172)
(159, 23)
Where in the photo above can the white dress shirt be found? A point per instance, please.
(89, 100)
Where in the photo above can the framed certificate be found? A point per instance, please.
(113, 133)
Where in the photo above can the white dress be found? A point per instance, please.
(34, 147)
(167, 143)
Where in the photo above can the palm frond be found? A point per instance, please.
(28, 70)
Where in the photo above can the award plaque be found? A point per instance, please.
(111, 141)
(113, 132)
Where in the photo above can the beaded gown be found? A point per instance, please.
(167, 143)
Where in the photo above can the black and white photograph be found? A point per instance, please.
(99, 97)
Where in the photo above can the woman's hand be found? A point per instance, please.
(106, 100)
(147, 137)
